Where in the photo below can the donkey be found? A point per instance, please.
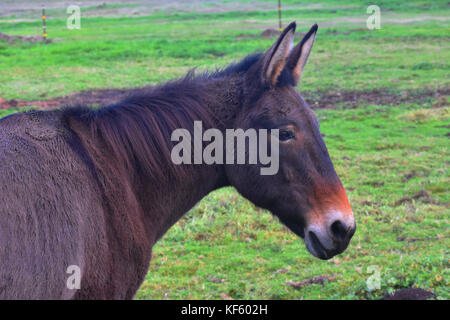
(90, 191)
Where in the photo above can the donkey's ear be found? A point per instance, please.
(276, 57)
(299, 55)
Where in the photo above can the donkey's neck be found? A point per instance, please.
(160, 202)
(165, 204)
(178, 197)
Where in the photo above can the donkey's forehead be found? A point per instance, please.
(283, 105)
(285, 101)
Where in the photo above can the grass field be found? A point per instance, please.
(392, 154)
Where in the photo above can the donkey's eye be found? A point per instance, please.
(286, 135)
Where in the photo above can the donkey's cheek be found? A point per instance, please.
(288, 174)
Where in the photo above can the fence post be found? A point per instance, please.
(44, 27)
(279, 16)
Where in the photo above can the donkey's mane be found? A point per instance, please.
(238, 67)
(138, 129)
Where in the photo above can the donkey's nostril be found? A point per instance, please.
(338, 230)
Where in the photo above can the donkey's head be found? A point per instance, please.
(306, 193)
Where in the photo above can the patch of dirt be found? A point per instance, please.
(367, 203)
(336, 32)
(388, 19)
(283, 270)
(270, 33)
(423, 195)
(406, 239)
(316, 99)
(316, 280)
(375, 183)
(57, 8)
(410, 294)
(88, 97)
(225, 296)
(427, 114)
(441, 102)
(352, 99)
(410, 176)
(11, 39)
(216, 280)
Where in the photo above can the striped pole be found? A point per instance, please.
(279, 16)
(44, 27)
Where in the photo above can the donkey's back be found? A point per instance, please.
(48, 207)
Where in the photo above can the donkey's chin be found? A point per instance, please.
(320, 253)
(319, 250)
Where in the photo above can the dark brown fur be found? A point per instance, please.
(97, 188)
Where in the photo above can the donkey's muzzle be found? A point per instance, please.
(324, 242)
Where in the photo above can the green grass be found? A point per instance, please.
(382, 153)
(129, 51)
